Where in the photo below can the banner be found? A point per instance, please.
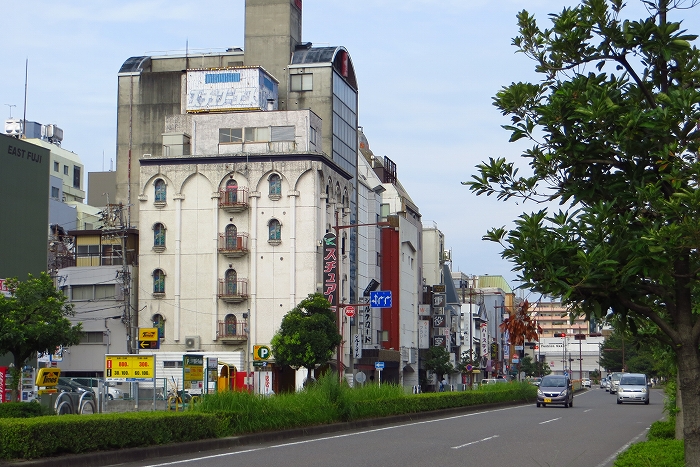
(484, 340)
(330, 268)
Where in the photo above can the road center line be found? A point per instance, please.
(552, 420)
(475, 442)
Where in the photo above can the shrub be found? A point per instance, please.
(662, 429)
(657, 453)
(22, 410)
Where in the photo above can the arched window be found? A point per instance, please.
(275, 230)
(159, 235)
(231, 237)
(275, 185)
(346, 199)
(230, 321)
(337, 193)
(231, 282)
(159, 323)
(158, 281)
(231, 191)
(160, 191)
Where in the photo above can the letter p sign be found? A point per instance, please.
(261, 352)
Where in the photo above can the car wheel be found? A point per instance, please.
(646, 402)
(538, 404)
(571, 404)
(619, 401)
(111, 397)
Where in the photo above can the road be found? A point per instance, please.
(591, 433)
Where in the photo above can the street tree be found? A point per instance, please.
(33, 319)
(308, 335)
(438, 361)
(613, 124)
(520, 326)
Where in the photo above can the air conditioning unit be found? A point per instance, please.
(192, 342)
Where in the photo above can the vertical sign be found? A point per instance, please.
(3, 385)
(484, 340)
(193, 373)
(423, 334)
(330, 268)
(366, 327)
(357, 346)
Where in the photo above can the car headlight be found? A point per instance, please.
(540, 393)
(644, 390)
(563, 393)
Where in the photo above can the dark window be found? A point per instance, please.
(76, 177)
(230, 135)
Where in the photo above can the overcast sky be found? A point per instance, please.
(427, 71)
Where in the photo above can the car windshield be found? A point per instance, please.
(551, 382)
(633, 381)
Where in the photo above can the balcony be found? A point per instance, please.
(232, 333)
(233, 246)
(233, 291)
(234, 199)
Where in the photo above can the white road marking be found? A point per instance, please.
(552, 420)
(475, 442)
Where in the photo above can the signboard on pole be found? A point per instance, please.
(130, 368)
(380, 299)
(356, 346)
(349, 311)
(193, 373)
(484, 340)
(330, 268)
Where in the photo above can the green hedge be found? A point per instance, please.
(22, 410)
(656, 453)
(29, 438)
(662, 429)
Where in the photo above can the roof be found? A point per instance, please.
(330, 55)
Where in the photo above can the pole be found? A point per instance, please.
(580, 361)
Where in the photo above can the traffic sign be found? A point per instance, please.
(380, 299)
(261, 352)
(379, 365)
(149, 344)
(349, 311)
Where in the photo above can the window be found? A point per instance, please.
(159, 323)
(275, 230)
(231, 282)
(172, 364)
(312, 135)
(275, 185)
(158, 281)
(304, 82)
(56, 166)
(76, 177)
(282, 133)
(81, 292)
(160, 191)
(384, 211)
(231, 237)
(111, 255)
(65, 170)
(231, 191)
(105, 292)
(230, 135)
(55, 192)
(92, 337)
(230, 321)
(259, 134)
(159, 235)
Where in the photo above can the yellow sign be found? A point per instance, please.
(48, 377)
(261, 352)
(193, 368)
(129, 367)
(148, 334)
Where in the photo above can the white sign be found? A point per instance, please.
(484, 340)
(3, 288)
(423, 310)
(357, 346)
(230, 89)
(423, 334)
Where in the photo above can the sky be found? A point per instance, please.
(427, 72)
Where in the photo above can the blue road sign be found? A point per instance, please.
(379, 365)
(380, 299)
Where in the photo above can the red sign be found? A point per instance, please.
(349, 311)
(4, 393)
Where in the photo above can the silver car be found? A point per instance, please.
(614, 381)
(555, 389)
(633, 387)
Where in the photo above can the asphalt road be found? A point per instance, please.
(591, 433)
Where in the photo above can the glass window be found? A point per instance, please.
(105, 292)
(55, 192)
(275, 184)
(159, 323)
(259, 134)
(65, 170)
(76, 177)
(160, 191)
(231, 191)
(275, 230)
(231, 235)
(81, 292)
(303, 82)
(230, 325)
(158, 281)
(231, 282)
(159, 235)
(55, 166)
(92, 337)
(230, 135)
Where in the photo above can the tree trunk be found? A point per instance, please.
(689, 384)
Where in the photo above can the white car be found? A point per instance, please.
(586, 383)
(114, 393)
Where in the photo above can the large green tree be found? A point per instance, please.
(613, 124)
(34, 318)
(308, 335)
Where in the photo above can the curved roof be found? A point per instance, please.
(135, 64)
(334, 55)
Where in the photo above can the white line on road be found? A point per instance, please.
(587, 410)
(552, 420)
(345, 435)
(474, 442)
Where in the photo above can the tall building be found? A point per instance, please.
(237, 164)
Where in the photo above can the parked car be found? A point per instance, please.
(74, 386)
(604, 383)
(633, 387)
(112, 392)
(586, 383)
(555, 389)
(535, 381)
(614, 381)
(493, 381)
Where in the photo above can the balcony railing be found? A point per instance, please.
(234, 200)
(233, 291)
(233, 246)
(232, 333)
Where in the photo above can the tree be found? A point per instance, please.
(438, 361)
(308, 335)
(613, 124)
(34, 319)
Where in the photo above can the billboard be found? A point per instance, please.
(223, 90)
(24, 188)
